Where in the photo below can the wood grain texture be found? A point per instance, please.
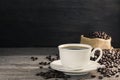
(21, 67)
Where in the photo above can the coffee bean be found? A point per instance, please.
(48, 57)
(117, 76)
(45, 63)
(108, 75)
(34, 58)
(41, 67)
(49, 67)
(100, 77)
(48, 63)
(53, 59)
(93, 76)
(38, 74)
(40, 63)
(118, 69)
(99, 69)
(110, 66)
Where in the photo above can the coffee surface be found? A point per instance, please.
(75, 47)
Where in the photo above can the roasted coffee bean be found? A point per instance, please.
(118, 69)
(48, 63)
(38, 74)
(108, 75)
(100, 77)
(34, 58)
(48, 57)
(49, 67)
(99, 69)
(53, 59)
(41, 67)
(93, 76)
(40, 63)
(45, 63)
(110, 66)
(117, 76)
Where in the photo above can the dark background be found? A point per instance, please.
(41, 23)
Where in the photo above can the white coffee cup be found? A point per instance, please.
(75, 55)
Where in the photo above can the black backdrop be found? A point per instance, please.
(38, 23)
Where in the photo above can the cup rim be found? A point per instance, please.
(74, 44)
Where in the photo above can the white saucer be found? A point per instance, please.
(90, 67)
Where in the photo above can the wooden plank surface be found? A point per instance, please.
(21, 67)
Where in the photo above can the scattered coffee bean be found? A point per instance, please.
(34, 58)
(100, 77)
(45, 63)
(48, 63)
(53, 59)
(40, 63)
(117, 76)
(41, 67)
(49, 67)
(38, 74)
(48, 57)
(93, 76)
(118, 69)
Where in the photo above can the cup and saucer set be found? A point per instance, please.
(75, 59)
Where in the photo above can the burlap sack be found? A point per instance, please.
(96, 42)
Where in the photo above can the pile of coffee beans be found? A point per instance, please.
(98, 34)
(111, 60)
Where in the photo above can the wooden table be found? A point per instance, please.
(15, 64)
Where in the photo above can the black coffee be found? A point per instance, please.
(75, 47)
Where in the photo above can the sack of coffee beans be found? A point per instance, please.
(97, 39)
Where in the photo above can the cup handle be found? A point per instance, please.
(93, 53)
